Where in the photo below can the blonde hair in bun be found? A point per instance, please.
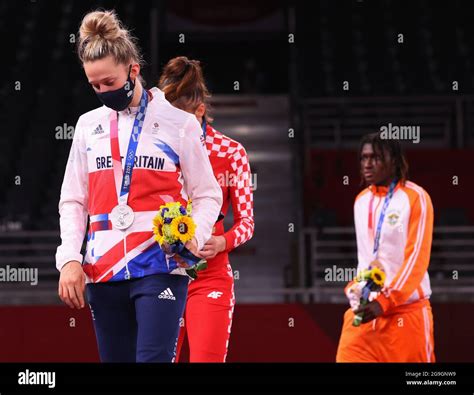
(102, 34)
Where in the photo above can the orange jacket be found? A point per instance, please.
(405, 241)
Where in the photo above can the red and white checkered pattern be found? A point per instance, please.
(220, 145)
(240, 193)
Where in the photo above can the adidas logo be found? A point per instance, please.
(167, 294)
(98, 130)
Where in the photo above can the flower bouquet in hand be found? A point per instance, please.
(367, 281)
(173, 227)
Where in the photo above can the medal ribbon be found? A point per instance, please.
(203, 127)
(382, 216)
(123, 178)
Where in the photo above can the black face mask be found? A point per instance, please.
(119, 99)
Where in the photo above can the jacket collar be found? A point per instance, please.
(380, 190)
(133, 110)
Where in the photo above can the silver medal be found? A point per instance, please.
(122, 216)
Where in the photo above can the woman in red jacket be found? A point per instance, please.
(210, 301)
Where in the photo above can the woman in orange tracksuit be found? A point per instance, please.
(394, 225)
(210, 302)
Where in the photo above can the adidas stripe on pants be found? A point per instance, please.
(138, 320)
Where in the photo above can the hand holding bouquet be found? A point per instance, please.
(367, 281)
(173, 228)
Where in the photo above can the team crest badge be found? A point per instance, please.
(393, 217)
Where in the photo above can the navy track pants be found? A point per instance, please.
(138, 320)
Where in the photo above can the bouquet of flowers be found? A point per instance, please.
(173, 228)
(368, 281)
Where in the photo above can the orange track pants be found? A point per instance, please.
(403, 335)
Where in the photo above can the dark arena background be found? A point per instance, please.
(297, 84)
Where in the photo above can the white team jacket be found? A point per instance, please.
(171, 164)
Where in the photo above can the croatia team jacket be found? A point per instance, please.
(170, 164)
(405, 241)
(231, 168)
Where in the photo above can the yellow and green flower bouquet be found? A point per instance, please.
(374, 278)
(173, 227)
